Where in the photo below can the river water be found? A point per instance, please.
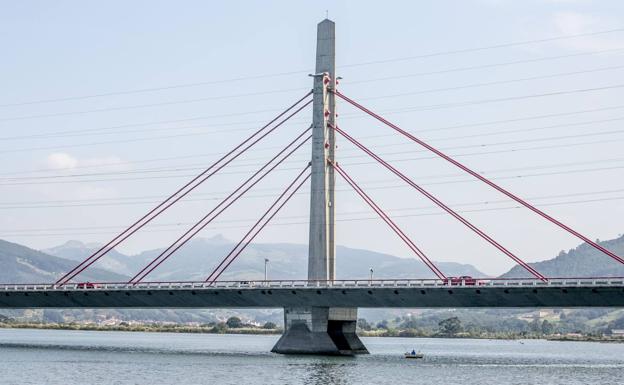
(50, 357)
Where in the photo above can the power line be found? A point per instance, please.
(482, 145)
(513, 131)
(105, 131)
(290, 168)
(131, 140)
(152, 89)
(476, 175)
(298, 72)
(120, 108)
(495, 133)
(513, 120)
(352, 164)
(83, 132)
(87, 130)
(74, 133)
(417, 108)
(494, 100)
(483, 66)
(503, 151)
(495, 46)
(150, 229)
(450, 127)
(213, 195)
(177, 169)
(500, 132)
(498, 171)
(401, 210)
(497, 82)
(396, 210)
(491, 133)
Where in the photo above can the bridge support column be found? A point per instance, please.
(320, 330)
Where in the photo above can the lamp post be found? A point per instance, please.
(371, 275)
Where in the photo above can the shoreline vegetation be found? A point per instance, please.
(411, 333)
(271, 329)
(219, 328)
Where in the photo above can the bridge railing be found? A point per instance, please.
(307, 284)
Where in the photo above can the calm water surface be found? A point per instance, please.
(50, 357)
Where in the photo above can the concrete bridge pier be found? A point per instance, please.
(320, 330)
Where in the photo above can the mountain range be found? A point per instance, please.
(193, 262)
(582, 261)
(287, 261)
(21, 264)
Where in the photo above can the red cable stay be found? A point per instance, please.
(389, 222)
(259, 226)
(186, 189)
(439, 203)
(483, 179)
(222, 206)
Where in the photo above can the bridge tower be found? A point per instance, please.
(322, 330)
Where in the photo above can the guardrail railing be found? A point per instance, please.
(307, 284)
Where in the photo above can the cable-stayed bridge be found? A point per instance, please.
(392, 293)
(320, 313)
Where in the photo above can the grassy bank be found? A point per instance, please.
(212, 329)
(223, 329)
(586, 339)
(415, 333)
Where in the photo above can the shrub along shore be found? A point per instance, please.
(271, 329)
(156, 328)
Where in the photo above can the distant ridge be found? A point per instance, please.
(582, 261)
(287, 261)
(21, 264)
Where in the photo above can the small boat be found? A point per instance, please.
(414, 355)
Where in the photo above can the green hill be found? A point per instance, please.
(288, 261)
(23, 265)
(582, 261)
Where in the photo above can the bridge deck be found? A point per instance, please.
(582, 292)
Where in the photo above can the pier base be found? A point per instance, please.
(320, 330)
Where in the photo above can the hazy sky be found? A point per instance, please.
(86, 148)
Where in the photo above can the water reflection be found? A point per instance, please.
(77, 358)
(323, 373)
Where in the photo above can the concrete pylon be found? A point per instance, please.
(322, 330)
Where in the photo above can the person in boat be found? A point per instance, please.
(413, 353)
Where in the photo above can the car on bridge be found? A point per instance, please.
(86, 285)
(464, 280)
